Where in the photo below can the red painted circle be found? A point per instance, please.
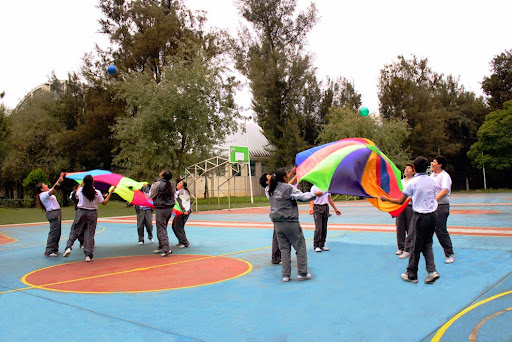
(474, 212)
(137, 273)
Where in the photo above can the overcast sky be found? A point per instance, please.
(353, 39)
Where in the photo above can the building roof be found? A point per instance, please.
(252, 137)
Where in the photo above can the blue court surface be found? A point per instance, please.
(224, 288)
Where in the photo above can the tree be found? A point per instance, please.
(388, 135)
(33, 141)
(34, 177)
(441, 115)
(147, 33)
(494, 146)
(498, 86)
(285, 92)
(175, 121)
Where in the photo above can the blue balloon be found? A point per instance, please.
(364, 111)
(112, 69)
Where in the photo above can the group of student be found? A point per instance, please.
(426, 213)
(86, 197)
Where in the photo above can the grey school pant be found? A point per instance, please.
(145, 218)
(443, 211)
(421, 243)
(55, 219)
(276, 253)
(402, 229)
(162, 217)
(289, 233)
(178, 227)
(85, 220)
(320, 216)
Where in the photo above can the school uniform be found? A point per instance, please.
(284, 213)
(443, 181)
(178, 223)
(85, 221)
(402, 221)
(421, 189)
(163, 203)
(54, 217)
(144, 219)
(276, 253)
(320, 216)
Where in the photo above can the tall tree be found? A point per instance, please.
(441, 115)
(498, 86)
(494, 146)
(146, 33)
(174, 121)
(271, 54)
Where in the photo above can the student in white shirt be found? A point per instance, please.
(443, 189)
(182, 196)
(421, 188)
(319, 208)
(46, 200)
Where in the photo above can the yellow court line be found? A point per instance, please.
(442, 330)
(44, 286)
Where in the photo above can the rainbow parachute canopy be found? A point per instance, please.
(127, 188)
(352, 166)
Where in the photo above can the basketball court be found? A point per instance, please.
(224, 288)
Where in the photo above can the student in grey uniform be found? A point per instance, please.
(144, 219)
(162, 193)
(443, 189)
(179, 221)
(46, 201)
(402, 221)
(421, 188)
(86, 216)
(72, 197)
(284, 213)
(319, 208)
(276, 253)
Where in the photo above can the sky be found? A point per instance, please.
(353, 39)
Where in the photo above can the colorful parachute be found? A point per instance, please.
(127, 188)
(353, 166)
(176, 211)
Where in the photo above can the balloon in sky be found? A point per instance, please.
(127, 188)
(364, 111)
(112, 69)
(353, 166)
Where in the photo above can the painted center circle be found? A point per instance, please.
(474, 212)
(137, 273)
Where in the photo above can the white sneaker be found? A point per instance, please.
(399, 252)
(306, 277)
(404, 255)
(151, 240)
(67, 252)
(432, 277)
(285, 279)
(325, 248)
(405, 277)
(141, 243)
(318, 249)
(88, 259)
(450, 259)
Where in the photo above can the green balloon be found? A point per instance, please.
(364, 111)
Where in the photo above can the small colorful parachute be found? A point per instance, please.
(176, 211)
(353, 166)
(127, 188)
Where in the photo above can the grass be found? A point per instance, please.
(119, 208)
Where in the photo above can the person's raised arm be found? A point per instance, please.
(108, 196)
(57, 183)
